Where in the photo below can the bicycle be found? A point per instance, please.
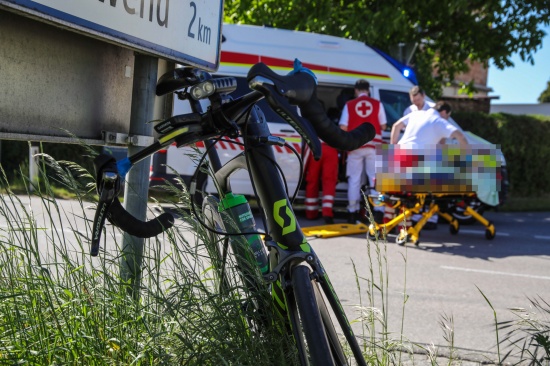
(291, 270)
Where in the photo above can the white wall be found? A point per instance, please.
(540, 109)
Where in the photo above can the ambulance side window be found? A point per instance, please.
(394, 103)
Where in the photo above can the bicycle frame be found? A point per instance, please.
(289, 245)
(292, 270)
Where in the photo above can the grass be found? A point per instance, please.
(59, 306)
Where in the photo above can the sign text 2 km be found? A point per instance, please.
(183, 31)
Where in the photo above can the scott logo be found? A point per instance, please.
(277, 209)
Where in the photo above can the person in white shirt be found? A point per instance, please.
(425, 128)
(418, 100)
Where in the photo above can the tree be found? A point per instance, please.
(444, 33)
(545, 95)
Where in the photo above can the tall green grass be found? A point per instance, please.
(59, 306)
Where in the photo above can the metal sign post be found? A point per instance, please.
(137, 180)
(33, 166)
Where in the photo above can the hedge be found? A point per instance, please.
(14, 156)
(525, 143)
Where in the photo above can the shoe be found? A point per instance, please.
(430, 226)
(328, 220)
(352, 218)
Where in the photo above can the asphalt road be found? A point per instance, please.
(443, 277)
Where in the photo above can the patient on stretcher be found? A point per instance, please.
(448, 169)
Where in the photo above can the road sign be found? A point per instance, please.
(183, 31)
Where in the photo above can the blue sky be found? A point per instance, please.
(524, 82)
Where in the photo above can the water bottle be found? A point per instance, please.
(238, 208)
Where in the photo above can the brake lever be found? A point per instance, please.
(110, 184)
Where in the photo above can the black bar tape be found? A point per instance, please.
(122, 219)
(330, 133)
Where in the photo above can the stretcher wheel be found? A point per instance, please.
(454, 227)
(490, 232)
(401, 238)
(371, 233)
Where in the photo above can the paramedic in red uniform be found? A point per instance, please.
(356, 112)
(325, 170)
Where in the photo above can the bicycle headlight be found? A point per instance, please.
(202, 90)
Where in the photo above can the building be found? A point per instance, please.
(480, 101)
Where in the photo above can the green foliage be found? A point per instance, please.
(14, 155)
(524, 143)
(545, 95)
(443, 33)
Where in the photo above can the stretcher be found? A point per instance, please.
(427, 181)
(427, 205)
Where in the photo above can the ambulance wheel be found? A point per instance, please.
(490, 232)
(460, 214)
(454, 227)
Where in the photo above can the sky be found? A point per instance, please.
(524, 82)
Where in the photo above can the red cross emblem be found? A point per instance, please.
(363, 108)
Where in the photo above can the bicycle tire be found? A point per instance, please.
(312, 323)
(332, 336)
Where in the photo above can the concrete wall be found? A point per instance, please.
(540, 109)
(51, 78)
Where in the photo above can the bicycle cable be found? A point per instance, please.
(301, 175)
(193, 209)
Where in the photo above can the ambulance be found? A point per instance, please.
(337, 62)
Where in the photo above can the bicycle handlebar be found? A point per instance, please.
(298, 88)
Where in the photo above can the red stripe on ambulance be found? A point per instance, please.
(248, 59)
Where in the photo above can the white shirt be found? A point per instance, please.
(344, 118)
(414, 108)
(425, 128)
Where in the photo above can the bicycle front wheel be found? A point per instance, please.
(323, 345)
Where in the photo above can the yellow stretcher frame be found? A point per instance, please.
(412, 234)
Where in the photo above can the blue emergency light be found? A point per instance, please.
(407, 71)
